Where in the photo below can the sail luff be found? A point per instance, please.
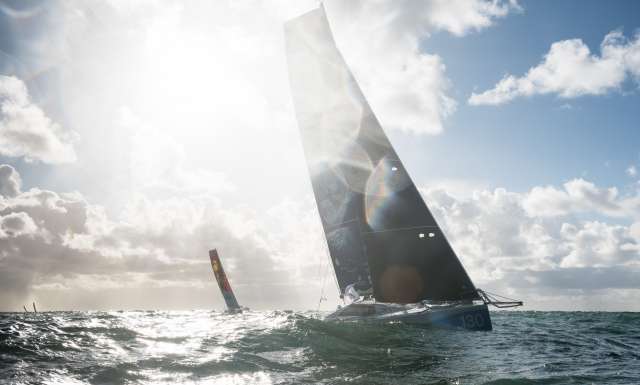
(380, 233)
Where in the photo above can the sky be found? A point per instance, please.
(135, 136)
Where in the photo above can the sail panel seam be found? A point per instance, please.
(400, 229)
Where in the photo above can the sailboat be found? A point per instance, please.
(223, 283)
(391, 260)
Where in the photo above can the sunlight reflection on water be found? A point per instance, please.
(202, 347)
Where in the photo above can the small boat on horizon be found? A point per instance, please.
(35, 310)
(391, 260)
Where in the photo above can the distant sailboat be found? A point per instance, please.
(390, 257)
(35, 310)
(223, 283)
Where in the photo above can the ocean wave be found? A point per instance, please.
(279, 347)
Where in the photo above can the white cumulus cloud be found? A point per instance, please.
(579, 196)
(25, 130)
(511, 245)
(67, 252)
(10, 181)
(407, 87)
(461, 16)
(570, 70)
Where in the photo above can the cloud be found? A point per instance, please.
(632, 171)
(578, 278)
(10, 181)
(597, 244)
(510, 243)
(229, 110)
(66, 252)
(570, 70)
(217, 86)
(578, 196)
(22, 13)
(460, 16)
(55, 243)
(25, 130)
(16, 224)
(158, 164)
(407, 88)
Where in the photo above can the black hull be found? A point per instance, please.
(454, 316)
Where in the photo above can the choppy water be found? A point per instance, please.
(200, 347)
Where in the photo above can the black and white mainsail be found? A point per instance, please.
(381, 236)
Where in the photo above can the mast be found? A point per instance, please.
(381, 236)
(223, 282)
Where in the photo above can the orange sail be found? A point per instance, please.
(223, 282)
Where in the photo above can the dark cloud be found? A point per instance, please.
(583, 278)
(51, 242)
(16, 224)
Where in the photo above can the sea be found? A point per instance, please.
(285, 347)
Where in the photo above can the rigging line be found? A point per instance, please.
(327, 257)
(320, 265)
(330, 261)
(400, 229)
(339, 225)
(500, 296)
(324, 280)
(320, 276)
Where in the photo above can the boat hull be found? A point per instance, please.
(451, 316)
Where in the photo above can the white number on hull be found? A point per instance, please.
(472, 321)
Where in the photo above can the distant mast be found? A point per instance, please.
(223, 282)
